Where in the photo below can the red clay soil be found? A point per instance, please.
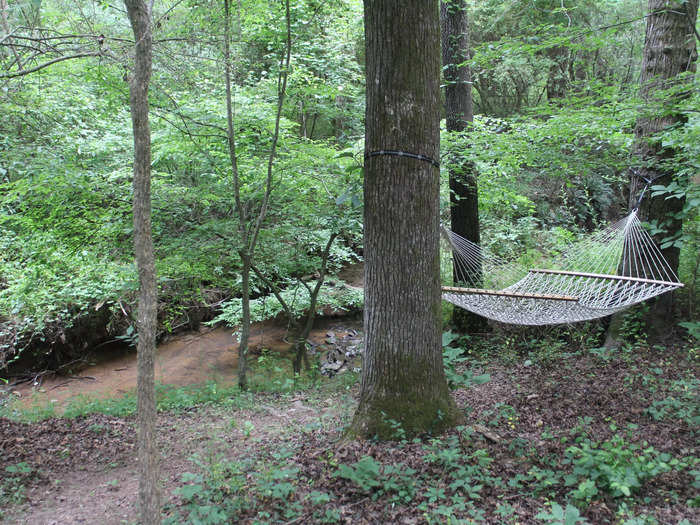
(193, 358)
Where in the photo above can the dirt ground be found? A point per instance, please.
(84, 470)
(189, 359)
(186, 359)
(87, 470)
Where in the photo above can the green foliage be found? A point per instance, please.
(561, 516)
(693, 328)
(65, 189)
(681, 405)
(168, 398)
(452, 358)
(332, 296)
(12, 485)
(212, 498)
(375, 479)
(614, 467)
(570, 163)
(548, 169)
(371, 477)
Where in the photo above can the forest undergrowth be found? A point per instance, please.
(556, 430)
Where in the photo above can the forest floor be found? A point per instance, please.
(612, 434)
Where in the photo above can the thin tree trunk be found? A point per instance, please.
(300, 332)
(459, 114)
(557, 77)
(303, 335)
(244, 337)
(249, 226)
(403, 378)
(6, 28)
(240, 208)
(149, 499)
(302, 119)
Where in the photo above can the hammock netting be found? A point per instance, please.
(606, 272)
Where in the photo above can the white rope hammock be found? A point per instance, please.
(608, 271)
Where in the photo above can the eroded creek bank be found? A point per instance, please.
(187, 359)
(190, 358)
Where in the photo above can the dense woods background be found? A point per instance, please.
(556, 96)
(553, 115)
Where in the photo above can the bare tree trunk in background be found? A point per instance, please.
(558, 75)
(249, 225)
(149, 500)
(669, 51)
(459, 114)
(403, 379)
(4, 10)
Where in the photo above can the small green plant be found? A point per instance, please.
(375, 479)
(634, 326)
(693, 328)
(548, 352)
(452, 357)
(557, 515)
(504, 510)
(604, 354)
(397, 431)
(276, 482)
(503, 413)
(248, 428)
(216, 497)
(446, 454)
(365, 474)
(614, 467)
(544, 479)
(12, 485)
(682, 405)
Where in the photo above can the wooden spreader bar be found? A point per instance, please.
(606, 276)
(499, 293)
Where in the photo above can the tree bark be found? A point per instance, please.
(669, 51)
(249, 224)
(5, 25)
(459, 114)
(304, 330)
(557, 77)
(149, 499)
(402, 378)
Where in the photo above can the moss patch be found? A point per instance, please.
(398, 417)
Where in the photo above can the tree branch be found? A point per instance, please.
(274, 288)
(314, 295)
(281, 91)
(50, 63)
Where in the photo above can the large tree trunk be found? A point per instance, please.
(402, 378)
(669, 51)
(149, 501)
(459, 114)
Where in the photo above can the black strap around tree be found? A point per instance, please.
(397, 153)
